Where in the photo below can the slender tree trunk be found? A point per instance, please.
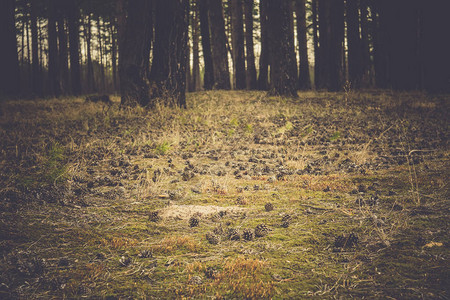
(29, 58)
(355, 63)
(264, 56)
(380, 48)
(53, 68)
(74, 42)
(283, 67)
(101, 53)
(189, 84)
(113, 53)
(331, 35)
(168, 73)
(237, 36)
(249, 45)
(133, 44)
(90, 68)
(315, 24)
(195, 50)
(436, 47)
(9, 61)
(219, 45)
(62, 52)
(365, 47)
(304, 80)
(208, 79)
(36, 72)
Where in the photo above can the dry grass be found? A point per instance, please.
(79, 182)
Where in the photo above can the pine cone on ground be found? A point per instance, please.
(268, 206)
(233, 234)
(211, 272)
(154, 216)
(261, 230)
(212, 238)
(193, 222)
(286, 221)
(247, 234)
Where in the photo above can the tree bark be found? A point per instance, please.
(9, 72)
(53, 69)
(133, 41)
(264, 56)
(90, 68)
(195, 50)
(365, 47)
(283, 67)
(208, 78)
(219, 45)
(304, 79)
(74, 44)
(249, 45)
(168, 73)
(35, 68)
(237, 36)
(436, 46)
(355, 63)
(331, 35)
(62, 52)
(113, 34)
(315, 24)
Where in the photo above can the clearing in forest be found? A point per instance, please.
(238, 196)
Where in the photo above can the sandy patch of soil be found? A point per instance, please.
(184, 212)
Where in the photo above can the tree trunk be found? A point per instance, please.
(219, 45)
(195, 50)
(355, 63)
(331, 35)
(133, 41)
(436, 46)
(304, 80)
(249, 46)
(237, 37)
(365, 47)
(315, 24)
(283, 67)
(62, 52)
(264, 56)
(208, 78)
(101, 54)
(9, 72)
(113, 53)
(401, 38)
(189, 84)
(36, 72)
(53, 75)
(168, 73)
(90, 67)
(74, 43)
(380, 48)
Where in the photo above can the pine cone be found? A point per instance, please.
(268, 206)
(212, 238)
(247, 235)
(343, 241)
(233, 234)
(210, 272)
(261, 230)
(193, 222)
(286, 221)
(154, 216)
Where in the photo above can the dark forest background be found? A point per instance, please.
(159, 49)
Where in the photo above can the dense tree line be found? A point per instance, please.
(155, 50)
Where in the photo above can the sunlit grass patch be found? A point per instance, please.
(174, 244)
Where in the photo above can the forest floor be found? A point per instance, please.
(240, 196)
